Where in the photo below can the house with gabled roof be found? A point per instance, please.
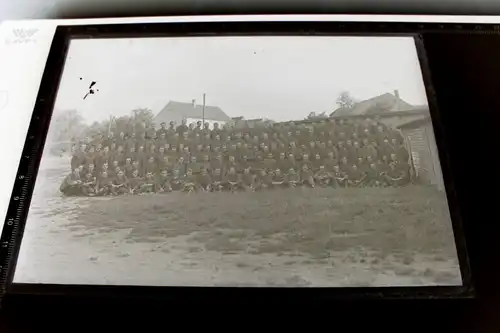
(192, 112)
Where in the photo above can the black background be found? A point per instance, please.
(465, 70)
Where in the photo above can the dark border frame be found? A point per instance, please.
(32, 153)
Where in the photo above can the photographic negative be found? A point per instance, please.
(240, 161)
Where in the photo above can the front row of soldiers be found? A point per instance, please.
(84, 183)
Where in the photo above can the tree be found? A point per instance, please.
(345, 100)
(67, 125)
(143, 115)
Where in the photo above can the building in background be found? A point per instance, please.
(177, 111)
(421, 144)
(414, 123)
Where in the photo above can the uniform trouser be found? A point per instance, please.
(323, 182)
(217, 186)
(72, 190)
(338, 182)
(88, 190)
(308, 181)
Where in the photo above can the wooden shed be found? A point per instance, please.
(421, 144)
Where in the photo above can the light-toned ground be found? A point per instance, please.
(302, 237)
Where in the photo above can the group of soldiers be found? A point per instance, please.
(328, 153)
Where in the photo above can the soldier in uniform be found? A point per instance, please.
(72, 184)
(339, 178)
(317, 163)
(182, 127)
(128, 168)
(263, 180)
(292, 178)
(135, 182)
(119, 184)
(205, 181)
(372, 176)
(232, 180)
(322, 177)
(279, 179)
(104, 184)
(162, 131)
(217, 180)
(395, 177)
(190, 182)
(355, 177)
(148, 185)
(307, 176)
(248, 180)
(150, 166)
(89, 184)
(163, 182)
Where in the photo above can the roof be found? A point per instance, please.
(187, 110)
(377, 105)
(416, 123)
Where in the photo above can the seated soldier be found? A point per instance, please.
(292, 178)
(176, 180)
(232, 180)
(330, 162)
(190, 182)
(305, 161)
(263, 180)
(322, 177)
(395, 177)
(307, 176)
(339, 177)
(269, 162)
(217, 180)
(355, 177)
(89, 184)
(194, 165)
(163, 182)
(104, 184)
(205, 162)
(119, 184)
(204, 180)
(135, 182)
(112, 169)
(148, 186)
(279, 179)
(248, 180)
(72, 184)
(373, 176)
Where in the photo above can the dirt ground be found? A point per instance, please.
(295, 237)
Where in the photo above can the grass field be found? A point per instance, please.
(314, 222)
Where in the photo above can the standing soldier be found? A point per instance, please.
(182, 127)
(162, 130)
(171, 130)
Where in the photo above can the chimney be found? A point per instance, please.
(194, 103)
(397, 106)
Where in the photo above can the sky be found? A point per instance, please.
(280, 78)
